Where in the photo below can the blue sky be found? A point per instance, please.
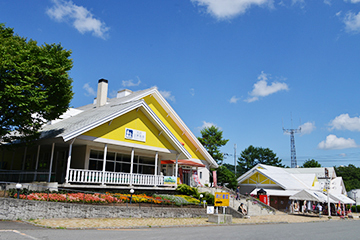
(246, 66)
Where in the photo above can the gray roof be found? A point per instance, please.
(319, 172)
(90, 115)
(112, 101)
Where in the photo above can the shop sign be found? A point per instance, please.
(222, 199)
(136, 135)
(169, 180)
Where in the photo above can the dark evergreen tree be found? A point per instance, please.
(252, 156)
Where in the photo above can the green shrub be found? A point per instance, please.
(353, 209)
(187, 190)
(208, 197)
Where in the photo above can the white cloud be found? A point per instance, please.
(81, 18)
(234, 99)
(131, 83)
(327, 2)
(262, 89)
(89, 90)
(227, 9)
(167, 95)
(342, 155)
(352, 22)
(192, 92)
(333, 142)
(300, 2)
(345, 122)
(207, 125)
(355, 1)
(307, 128)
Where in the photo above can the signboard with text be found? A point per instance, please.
(136, 135)
(222, 199)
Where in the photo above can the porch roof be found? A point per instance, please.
(183, 162)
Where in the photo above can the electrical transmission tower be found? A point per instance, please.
(292, 145)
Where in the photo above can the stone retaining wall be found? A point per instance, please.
(13, 209)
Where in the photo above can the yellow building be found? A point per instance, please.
(134, 140)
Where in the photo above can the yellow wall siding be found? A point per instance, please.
(134, 120)
(258, 178)
(170, 124)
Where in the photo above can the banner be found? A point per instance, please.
(214, 179)
(196, 178)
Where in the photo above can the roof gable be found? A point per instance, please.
(135, 119)
(279, 176)
(167, 114)
(91, 118)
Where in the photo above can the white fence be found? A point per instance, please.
(116, 178)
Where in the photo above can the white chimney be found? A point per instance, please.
(102, 92)
(123, 93)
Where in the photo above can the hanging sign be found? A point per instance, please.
(169, 180)
(136, 135)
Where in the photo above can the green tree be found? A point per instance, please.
(230, 167)
(311, 164)
(252, 156)
(35, 86)
(226, 177)
(350, 175)
(212, 139)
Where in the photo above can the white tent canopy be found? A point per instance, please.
(310, 195)
(342, 198)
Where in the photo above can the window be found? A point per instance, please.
(144, 165)
(122, 163)
(96, 160)
(200, 175)
(119, 162)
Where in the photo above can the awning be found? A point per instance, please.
(183, 162)
(342, 198)
(310, 195)
(275, 192)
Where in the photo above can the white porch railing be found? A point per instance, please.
(117, 178)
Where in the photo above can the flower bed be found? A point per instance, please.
(179, 199)
(95, 198)
(71, 197)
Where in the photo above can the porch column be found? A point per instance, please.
(68, 162)
(156, 165)
(131, 166)
(198, 176)
(176, 169)
(51, 160)
(104, 165)
(37, 162)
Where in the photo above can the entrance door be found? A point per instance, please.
(187, 178)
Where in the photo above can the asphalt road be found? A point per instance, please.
(347, 229)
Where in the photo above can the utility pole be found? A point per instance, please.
(292, 144)
(328, 181)
(235, 158)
